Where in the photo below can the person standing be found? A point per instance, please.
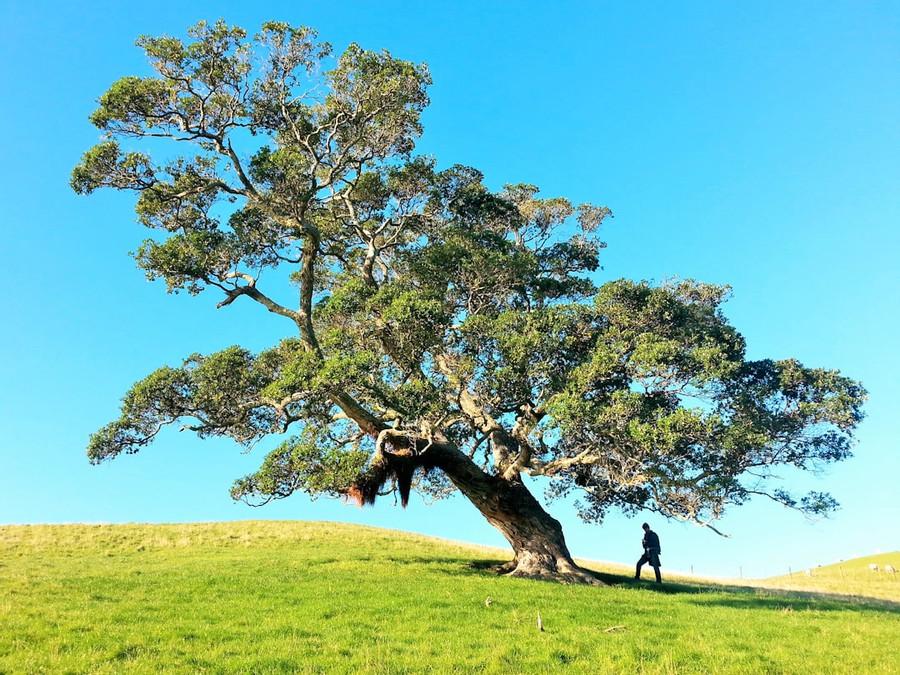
(651, 553)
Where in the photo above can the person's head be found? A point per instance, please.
(646, 527)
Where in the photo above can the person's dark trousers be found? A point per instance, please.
(651, 558)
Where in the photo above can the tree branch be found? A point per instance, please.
(502, 442)
(251, 291)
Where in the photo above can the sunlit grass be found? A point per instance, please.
(319, 597)
(851, 577)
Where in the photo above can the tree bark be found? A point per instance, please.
(535, 536)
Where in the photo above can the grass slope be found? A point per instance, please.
(269, 597)
(851, 577)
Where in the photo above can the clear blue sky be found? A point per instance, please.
(756, 144)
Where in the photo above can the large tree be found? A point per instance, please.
(444, 336)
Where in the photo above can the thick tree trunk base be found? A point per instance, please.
(562, 571)
(535, 536)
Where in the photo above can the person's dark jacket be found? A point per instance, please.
(651, 542)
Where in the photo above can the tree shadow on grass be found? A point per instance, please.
(721, 595)
(463, 563)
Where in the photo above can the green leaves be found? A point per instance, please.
(667, 402)
(185, 261)
(805, 415)
(429, 305)
(228, 393)
(105, 165)
(159, 399)
(134, 104)
(382, 99)
(590, 217)
(527, 356)
(310, 464)
(669, 336)
(206, 82)
(411, 320)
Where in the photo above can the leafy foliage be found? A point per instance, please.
(432, 311)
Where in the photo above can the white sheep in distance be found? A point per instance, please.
(873, 567)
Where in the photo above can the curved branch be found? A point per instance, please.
(251, 291)
(502, 442)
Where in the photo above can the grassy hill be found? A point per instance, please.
(847, 577)
(269, 597)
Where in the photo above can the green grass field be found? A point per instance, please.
(273, 597)
(848, 577)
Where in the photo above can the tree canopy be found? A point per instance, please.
(443, 334)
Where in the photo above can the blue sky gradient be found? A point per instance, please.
(754, 144)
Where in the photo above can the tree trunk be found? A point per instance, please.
(535, 536)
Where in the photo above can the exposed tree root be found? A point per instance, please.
(507, 567)
(564, 573)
